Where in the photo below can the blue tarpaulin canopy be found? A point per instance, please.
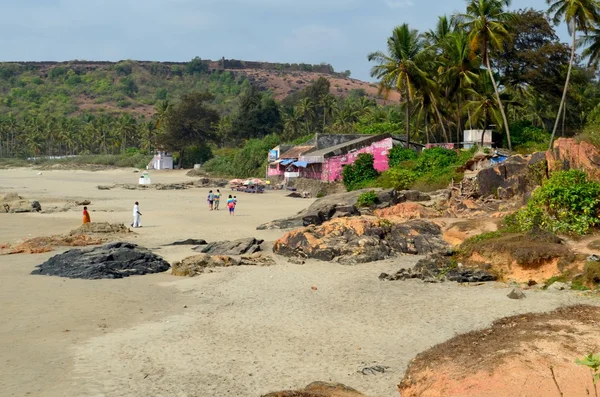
(286, 162)
(302, 164)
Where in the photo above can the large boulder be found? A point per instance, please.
(101, 228)
(516, 176)
(439, 268)
(202, 263)
(237, 247)
(115, 260)
(569, 154)
(362, 239)
(340, 205)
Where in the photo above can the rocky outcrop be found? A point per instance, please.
(362, 239)
(15, 204)
(237, 247)
(101, 228)
(116, 260)
(516, 356)
(343, 205)
(438, 268)
(319, 389)
(189, 241)
(568, 154)
(407, 210)
(202, 263)
(516, 176)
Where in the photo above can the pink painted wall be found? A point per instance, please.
(332, 169)
(277, 171)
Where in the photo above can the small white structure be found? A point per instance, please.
(145, 179)
(473, 137)
(161, 161)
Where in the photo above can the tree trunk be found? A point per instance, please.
(437, 112)
(458, 122)
(180, 158)
(564, 95)
(426, 129)
(489, 68)
(407, 123)
(564, 118)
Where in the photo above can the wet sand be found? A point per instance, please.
(243, 331)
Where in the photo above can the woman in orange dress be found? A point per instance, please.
(86, 216)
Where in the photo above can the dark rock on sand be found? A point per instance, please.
(115, 260)
(342, 204)
(237, 247)
(189, 241)
(439, 268)
(516, 294)
(360, 240)
(319, 389)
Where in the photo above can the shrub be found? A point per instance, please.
(591, 273)
(398, 154)
(367, 199)
(568, 202)
(435, 159)
(397, 178)
(359, 173)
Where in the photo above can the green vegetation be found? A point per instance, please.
(568, 202)
(397, 178)
(592, 361)
(367, 199)
(361, 174)
(398, 155)
(591, 273)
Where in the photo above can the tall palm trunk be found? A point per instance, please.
(407, 123)
(458, 121)
(564, 95)
(437, 112)
(489, 68)
(426, 129)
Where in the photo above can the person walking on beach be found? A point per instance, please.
(210, 199)
(231, 205)
(136, 215)
(86, 216)
(217, 199)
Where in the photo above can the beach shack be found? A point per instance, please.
(161, 161)
(284, 165)
(327, 164)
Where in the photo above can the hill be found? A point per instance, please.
(135, 87)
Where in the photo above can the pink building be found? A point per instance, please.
(327, 164)
(282, 166)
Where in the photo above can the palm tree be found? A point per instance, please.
(328, 103)
(306, 109)
(291, 123)
(401, 67)
(486, 22)
(580, 16)
(483, 108)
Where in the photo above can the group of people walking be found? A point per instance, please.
(214, 200)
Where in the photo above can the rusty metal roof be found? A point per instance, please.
(296, 152)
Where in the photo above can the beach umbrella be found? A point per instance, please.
(257, 181)
(236, 181)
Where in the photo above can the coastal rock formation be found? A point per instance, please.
(15, 204)
(237, 247)
(202, 263)
(362, 239)
(407, 210)
(189, 241)
(101, 228)
(439, 268)
(516, 176)
(536, 256)
(115, 260)
(343, 205)
(568, 154)
(524, 355)
(319, 389)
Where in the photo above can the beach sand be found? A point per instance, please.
(240, 331)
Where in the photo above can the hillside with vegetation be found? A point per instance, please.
(485, 68)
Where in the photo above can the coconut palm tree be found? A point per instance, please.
(486, 22)
(401, 68)
(483, 108)
(306, 109)
(580, 16)
(328, 103)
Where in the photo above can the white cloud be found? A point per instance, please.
(399, 3)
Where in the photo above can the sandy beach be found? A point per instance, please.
(241, 331)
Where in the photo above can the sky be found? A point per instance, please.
(338, 32)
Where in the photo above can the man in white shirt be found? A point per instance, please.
(136, 215)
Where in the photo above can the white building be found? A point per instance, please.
(473, 137)
(161, 161)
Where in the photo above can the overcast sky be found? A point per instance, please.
(339, 32)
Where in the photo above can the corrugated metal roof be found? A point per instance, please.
(296, 152)
(340, 149)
